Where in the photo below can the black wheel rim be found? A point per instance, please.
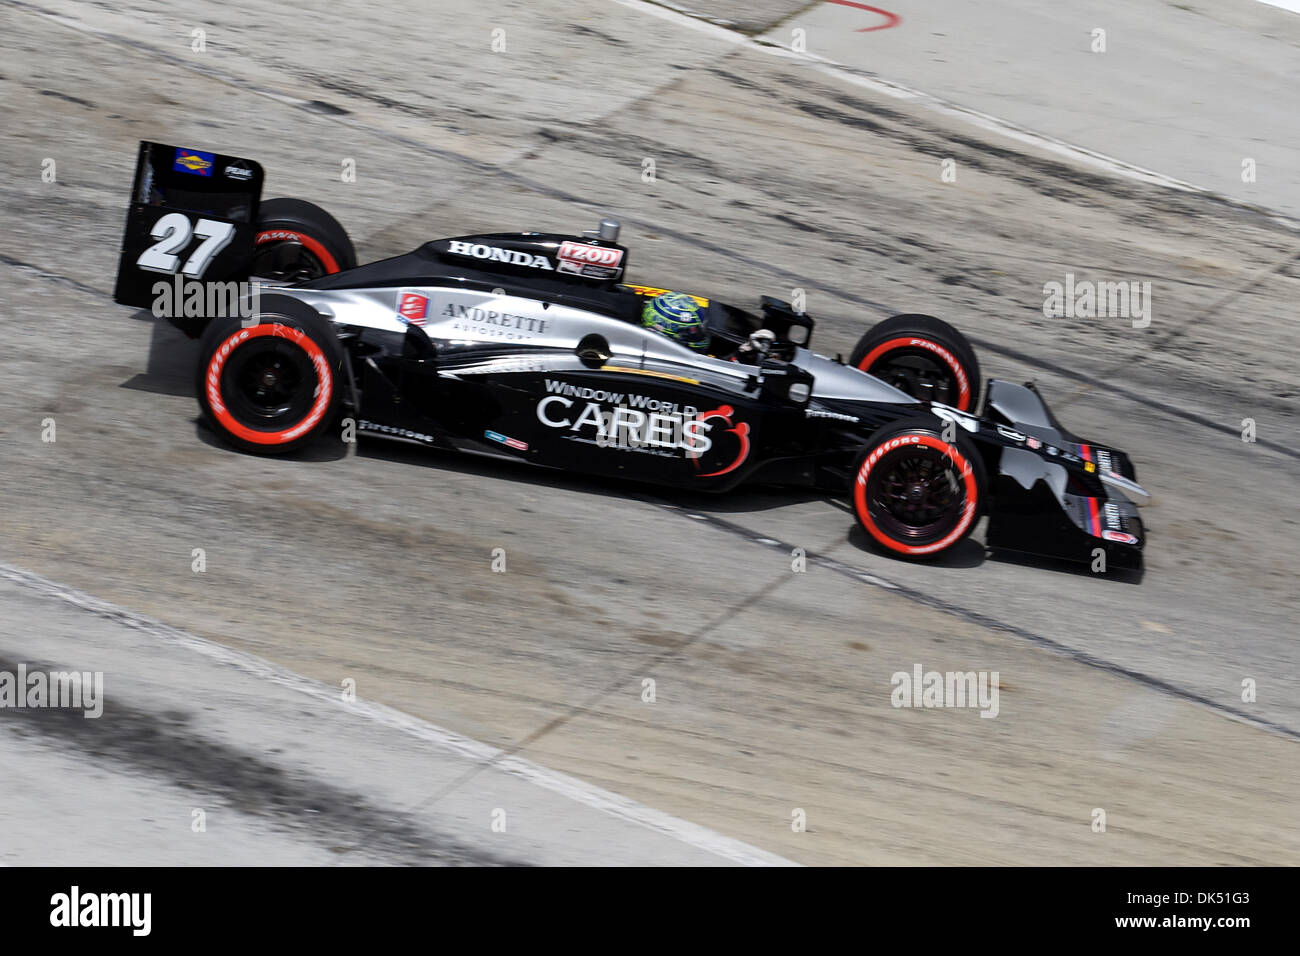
(916, 494)
(286, 260)
(920, 374)
(268, 383)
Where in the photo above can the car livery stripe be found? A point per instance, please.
(506, 440)
(1094, 517)
(649, 290)
(646, 371)
(1086, 452)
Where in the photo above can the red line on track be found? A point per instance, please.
(891, 19)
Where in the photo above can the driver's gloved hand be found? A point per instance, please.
(755, 350)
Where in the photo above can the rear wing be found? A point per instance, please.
(191, 219)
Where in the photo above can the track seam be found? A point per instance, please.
(978, 618)
(579, 791)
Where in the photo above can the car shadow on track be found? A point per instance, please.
(1075, 568)
(747, 500)
(173, 358)
(757, 499)
(170, 370)
(963, 555)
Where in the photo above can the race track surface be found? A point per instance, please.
(524, 691)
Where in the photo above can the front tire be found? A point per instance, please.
(923, 356)
(272, 387)
(916, 494)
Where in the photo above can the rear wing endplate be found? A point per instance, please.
(192, 218)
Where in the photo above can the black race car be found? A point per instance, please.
(531, 346)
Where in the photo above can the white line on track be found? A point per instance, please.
(572, 788)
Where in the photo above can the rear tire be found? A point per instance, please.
(272, 387)
(916, 494)
(923, 356)
(298, 240)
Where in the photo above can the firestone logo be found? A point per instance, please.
(325, 383)
(214, 370)
(962, 384)
(886, 447)
(322, 396)
(512, 257)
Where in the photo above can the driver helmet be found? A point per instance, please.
(677, 316)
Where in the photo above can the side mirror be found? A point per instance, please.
(417, 345)
(593, 351)
(789, 325)
(783, 382)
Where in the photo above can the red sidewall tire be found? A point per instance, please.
(965, 393)
(309, 226)
(879, 453)
(220, 411)
(312, 244)
(883, 348)
(298, 350)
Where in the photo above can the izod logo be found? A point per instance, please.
(594, 255)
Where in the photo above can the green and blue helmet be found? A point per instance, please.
(677, 316)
